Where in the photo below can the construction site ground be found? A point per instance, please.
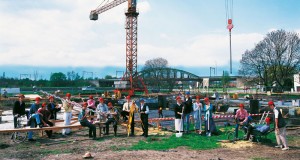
(110, 147)
(77, 144)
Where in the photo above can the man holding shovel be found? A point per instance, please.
(178, 109)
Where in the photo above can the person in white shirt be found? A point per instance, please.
(126, 109)
(280, 127)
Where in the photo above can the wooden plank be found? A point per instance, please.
(74, 125)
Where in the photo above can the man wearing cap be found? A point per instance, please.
(53, 108)
(45, 116)
(126, 108)
(188, 109)
(240, 118)
(178, 109)
(280, 127)
(101, 111)
(111, 118)
(144, 111)
(92, 106)
(33, 111)
(197, 107)
(19, 109)
(34, 116)
(84, 122)
(66, 104)
(209, 123)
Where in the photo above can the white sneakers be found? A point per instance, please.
(279, 146)
(285, 148)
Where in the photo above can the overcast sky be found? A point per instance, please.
(190, 34)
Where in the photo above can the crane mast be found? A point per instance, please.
(131, 25)
(131, 44)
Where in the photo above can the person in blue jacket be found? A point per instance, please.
(209, 123)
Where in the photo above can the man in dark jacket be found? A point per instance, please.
(187, 112)
(178, 108)
(19, 109)
(53, 108)
(84, 122)
(144, 111)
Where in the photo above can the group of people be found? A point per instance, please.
(130, 107)
(184, 109)
(38, 115)
(242, 118)
(41, 114)
(109, 114)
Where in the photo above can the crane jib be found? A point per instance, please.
(108, 6)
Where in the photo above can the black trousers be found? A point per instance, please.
(249, 131)
(54, 113)
(49, 132)
(160, 115)
(124, 114)
(92, 128)
(144, 118)
(109, 121)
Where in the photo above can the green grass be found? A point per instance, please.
(191, 141)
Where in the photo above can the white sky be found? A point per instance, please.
(189, 33)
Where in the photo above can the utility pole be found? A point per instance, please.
(212, 68)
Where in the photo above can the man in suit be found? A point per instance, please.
(144, 111)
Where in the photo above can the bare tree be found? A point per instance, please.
(155, 63)
(155, 67)
(274, 59)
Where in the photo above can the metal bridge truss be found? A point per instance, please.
(169, 78)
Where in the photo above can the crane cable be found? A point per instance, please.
(229, 10)
(102, 3)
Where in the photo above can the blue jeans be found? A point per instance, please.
(187, 121)
(32, 124)
(198, 120)
(237, 127)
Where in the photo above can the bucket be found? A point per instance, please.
(179, 134)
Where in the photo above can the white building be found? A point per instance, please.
(297, 82)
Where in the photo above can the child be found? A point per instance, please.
(160, 114)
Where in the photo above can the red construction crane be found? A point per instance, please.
(130, 75)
